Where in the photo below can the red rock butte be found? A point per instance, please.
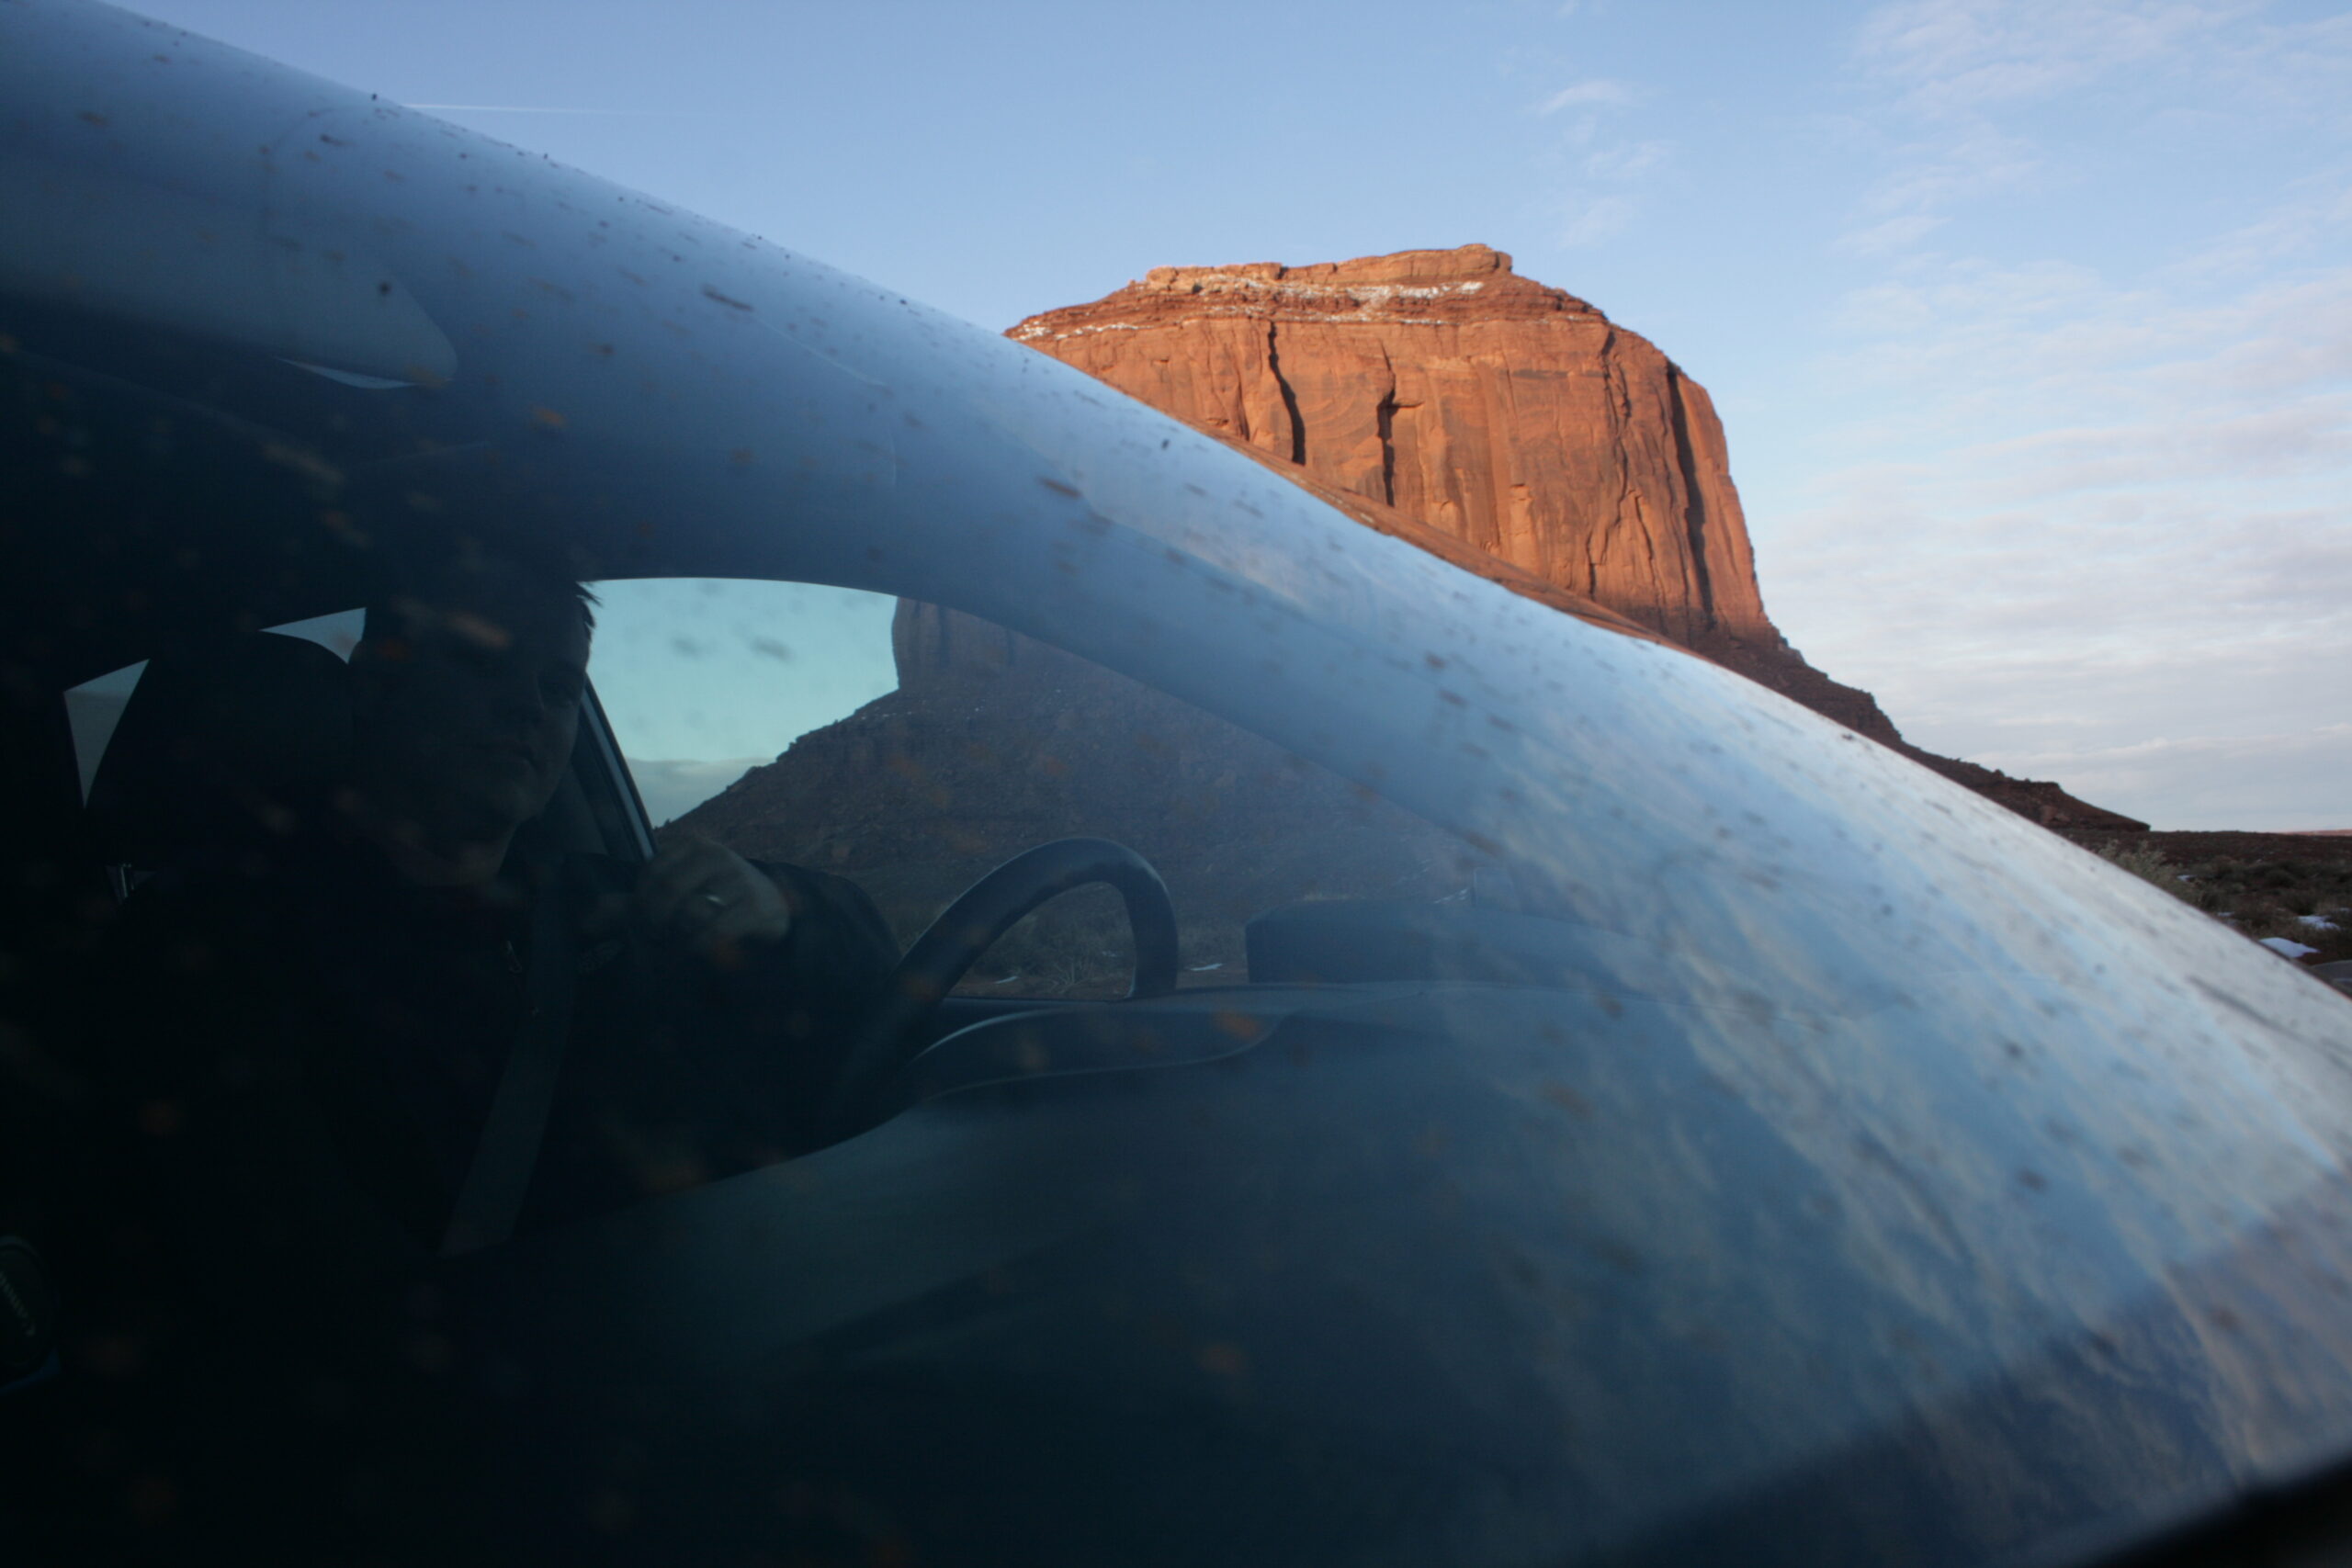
(1507, 425)
(1515, 418)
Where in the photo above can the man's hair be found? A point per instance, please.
(447, 573)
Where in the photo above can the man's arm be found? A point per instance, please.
(770, 969)
(818, 983)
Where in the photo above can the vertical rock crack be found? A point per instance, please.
(1694, 514)
(1386, 415)
(1290, 398)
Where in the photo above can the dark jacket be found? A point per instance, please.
(304, 1050)
(299, 1053)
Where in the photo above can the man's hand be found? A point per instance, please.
(697, 892)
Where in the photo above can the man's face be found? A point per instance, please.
(465, 719)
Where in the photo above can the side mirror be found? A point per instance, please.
(28, 1317)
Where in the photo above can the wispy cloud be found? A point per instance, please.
(2319, 207)
(1599, 171)
(1627, 161)
(2076, 515)
(538, 108)
(2074, 511)
(1932, 174)
(1948, 85)
(1598, 93)
(1957, 57)
(1890, 236)
(2260, 780)
(671, 789)
(1590, 222)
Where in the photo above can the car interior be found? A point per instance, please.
(229, 744)
(179, 499)
(230, 740)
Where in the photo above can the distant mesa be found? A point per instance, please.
(1512, 417)
(1508, 426)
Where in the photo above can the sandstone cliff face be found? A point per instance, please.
(1509, 416)
(1505, 426)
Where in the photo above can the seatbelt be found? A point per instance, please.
(492, 1199)
(28, 1317)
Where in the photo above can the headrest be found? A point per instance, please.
(237, 740)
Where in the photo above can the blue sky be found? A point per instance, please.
(2030, 322)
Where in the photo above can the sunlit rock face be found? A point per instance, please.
(1513, 417)
(1506, 425)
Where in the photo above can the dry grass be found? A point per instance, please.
(2144, 862)
(2265, 886)
(1079, 947)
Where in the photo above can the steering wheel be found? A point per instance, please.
(895, 1030)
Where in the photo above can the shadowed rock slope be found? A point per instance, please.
(993, 743)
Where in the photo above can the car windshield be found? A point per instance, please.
(600, 1030)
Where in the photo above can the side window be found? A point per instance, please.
(704, 679)
(911, 748)
(94, 707)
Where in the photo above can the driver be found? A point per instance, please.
(364, 989)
